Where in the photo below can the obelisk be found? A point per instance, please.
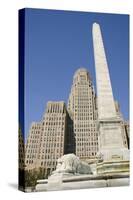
(106, 105)
(111, 144)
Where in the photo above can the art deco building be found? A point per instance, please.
(33, 145)
(82, 109)
(47, 139)
(53, 133)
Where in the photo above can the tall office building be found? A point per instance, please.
(52, 143)
(47, 139)
(33, 145)
(82, 109)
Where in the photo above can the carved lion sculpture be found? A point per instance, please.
(70, 163)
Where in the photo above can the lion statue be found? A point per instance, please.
(70, 163)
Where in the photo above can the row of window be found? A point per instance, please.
(55, 156)
(31, 146)
(87, 143)
(49, 163)
(85, 125)
(32, 150)
(52, 134)
(83, 118)
(55, 118)
(59, 129)
(86, 139)
(54, 123)
(31, 156)
(33, 136)
(85, 130)
(29, 161)
(52, 144)
(33, 141)
(36, 127)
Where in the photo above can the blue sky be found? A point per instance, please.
(57, 43)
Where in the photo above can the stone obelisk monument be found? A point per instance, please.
(111, 145)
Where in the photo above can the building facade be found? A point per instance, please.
(33, 145)
(82, 109)
(53, 134)
(47, 139)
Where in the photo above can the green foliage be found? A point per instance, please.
(32, 176)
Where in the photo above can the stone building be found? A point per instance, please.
(33, 145)
(82, 109)
(53, 134)
(47, 139)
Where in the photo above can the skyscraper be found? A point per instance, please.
(33, 145)
(53, 134)
(82, 109)
(47, 139)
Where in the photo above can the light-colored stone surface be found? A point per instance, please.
(118, 182)
(83, 111)
(113, 167)
(111, 135)
(106, 105)
(111, 143)
(55, 182)
(111, 131)
(65, 182)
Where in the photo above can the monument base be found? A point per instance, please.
(113, 167)
(115, 154)
(65, 182)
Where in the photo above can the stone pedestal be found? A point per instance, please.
(115, 157)
(113, 167)
(82, 182)
(111, 145)
(54, 182)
